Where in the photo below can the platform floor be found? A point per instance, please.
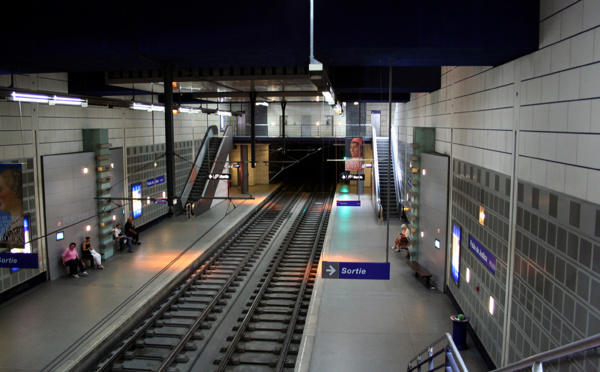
(353, 325)
(372, 325)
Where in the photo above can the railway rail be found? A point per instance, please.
(245, 305)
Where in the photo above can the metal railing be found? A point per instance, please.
(375, 179)
(442, 351)
(536, 361)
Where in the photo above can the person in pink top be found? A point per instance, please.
(71, 258)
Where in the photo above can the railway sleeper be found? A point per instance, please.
(277, 303)
(262, 310)
(280, 296)
(263, 336)
(256, 359)
(267, 326)
(269, 318)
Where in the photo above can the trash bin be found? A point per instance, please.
(459, 330)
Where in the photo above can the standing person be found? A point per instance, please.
(11, 204)
(71, 258)
(130, 231)
(118, 235)
(89, 251)
(403, 239)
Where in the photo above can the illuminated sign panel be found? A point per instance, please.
(456, 232)
(488, 259)
(136, 194)
(219, 176)
(352, 177)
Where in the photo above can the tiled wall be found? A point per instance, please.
(534, 123)
(557, 274)
(473, 187)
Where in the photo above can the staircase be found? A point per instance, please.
(207, 163)
(382, 163)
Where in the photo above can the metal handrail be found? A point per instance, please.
(574, 347)
(397, 172)
(375, 177)
(457, 364)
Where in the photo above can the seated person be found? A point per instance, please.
(403, 240)
(130, 231)
(89, 252)
(71, 258)
(118, 235)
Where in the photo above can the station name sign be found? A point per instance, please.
(488, 259)
(219, 176)
(356, 270)
(155, 181)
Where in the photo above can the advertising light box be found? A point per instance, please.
(456, 232)
(136, 194)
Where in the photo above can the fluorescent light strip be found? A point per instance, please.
(24, 97)
(68, 101)
(144, 107)
(224, 113)
(189, 110)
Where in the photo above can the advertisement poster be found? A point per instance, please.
(455, 252)
(136, 194)
(12, 233)
(354, 150)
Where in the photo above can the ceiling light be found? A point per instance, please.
(262, 104)
(328, 97)
(145, 107)
(223, 113)
(189, 110)
(25, 97)
(56, 100)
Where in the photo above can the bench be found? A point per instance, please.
(420, 271)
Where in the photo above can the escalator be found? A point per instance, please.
(386, 180)
(199, 190)
(202, 178)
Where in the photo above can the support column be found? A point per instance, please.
(96, 140)
(244, 169)
(169, 134)
(283, 104)
(253, 129)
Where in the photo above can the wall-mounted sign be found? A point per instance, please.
(219, 176)
(356, 270)
(19, 260)
(483, 254)
(155, 181)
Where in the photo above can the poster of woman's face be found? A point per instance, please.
(354, 150)
(11, 206)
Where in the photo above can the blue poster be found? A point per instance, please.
(483, 254)
(12, 233)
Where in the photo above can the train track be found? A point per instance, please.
(253, 291)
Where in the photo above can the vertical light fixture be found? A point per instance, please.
(481, 216)
(491, 305)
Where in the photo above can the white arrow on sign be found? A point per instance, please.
(331, 270)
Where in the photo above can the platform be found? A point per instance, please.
(372, 325)
(353, 325)
(56, 325)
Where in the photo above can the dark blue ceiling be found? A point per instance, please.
(350, 37)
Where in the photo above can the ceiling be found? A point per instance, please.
(223, 50)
